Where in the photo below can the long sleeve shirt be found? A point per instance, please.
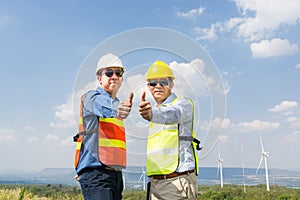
(97, 103)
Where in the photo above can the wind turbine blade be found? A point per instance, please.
(141, 177)
(242, 149)
(266, 154)
(261, 158)
(261, 144)
(243, 164)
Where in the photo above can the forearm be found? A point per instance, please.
(171, 114)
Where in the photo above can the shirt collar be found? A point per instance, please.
(104, 92)
(170, 98)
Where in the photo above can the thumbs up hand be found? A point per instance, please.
(145, 108)
(124, 107)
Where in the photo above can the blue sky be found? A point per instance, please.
(254, 46)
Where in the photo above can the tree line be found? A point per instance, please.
(214, 192)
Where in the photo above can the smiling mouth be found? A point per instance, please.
(158, 92)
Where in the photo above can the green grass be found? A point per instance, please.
(228, 192)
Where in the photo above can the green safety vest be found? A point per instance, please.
(163, 147)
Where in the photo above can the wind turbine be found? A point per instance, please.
(143, 175)
(243, 167)
(264, 155)
(220, 168)
(124, 181)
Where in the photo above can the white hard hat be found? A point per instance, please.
(109, 60)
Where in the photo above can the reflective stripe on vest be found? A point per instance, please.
(112, 142)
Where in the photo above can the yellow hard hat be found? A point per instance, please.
(159, 69)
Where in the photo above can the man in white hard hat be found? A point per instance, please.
(101, 143)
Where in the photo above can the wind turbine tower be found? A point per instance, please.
(143, 175)
(243, 167)
(220, 168)
(124, 181)
(264, 155)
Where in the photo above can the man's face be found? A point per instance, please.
(111, 79)
(160, 89)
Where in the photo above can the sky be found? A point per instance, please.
(239, 61)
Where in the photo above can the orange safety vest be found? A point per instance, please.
(111, 140)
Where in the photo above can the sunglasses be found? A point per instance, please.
(110, 72)
(163, 82)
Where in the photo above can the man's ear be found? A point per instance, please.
(171, 85)
(99, 78)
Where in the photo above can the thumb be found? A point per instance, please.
(143, 96)
(130, 98)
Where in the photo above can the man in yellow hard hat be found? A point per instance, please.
(172, 163)
(101, 141)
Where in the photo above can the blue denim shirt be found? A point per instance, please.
(97, 103)
(180, 112)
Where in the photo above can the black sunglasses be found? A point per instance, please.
(110, 72)
(163, 82)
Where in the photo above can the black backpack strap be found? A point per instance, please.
(75, 137)
(198, 147)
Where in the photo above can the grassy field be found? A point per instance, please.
(229, 192)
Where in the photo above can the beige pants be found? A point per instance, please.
(181, 187)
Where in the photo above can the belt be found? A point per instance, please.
(172, 175)
(111, 169)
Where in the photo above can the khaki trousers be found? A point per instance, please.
(181, 187)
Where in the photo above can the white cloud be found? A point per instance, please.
(222, 123)
(191, 14)
(206, 33)
(297, 66)
(30, 128)
(232, 23)
(293, 119)
(245, 5)
(284, 106)
(295, 125)
(51, 137)
(64, 113)
(193, 74)
(217, 123)
(7, 135)
(32, 140)
(223, 138)
(262, 18)
(67, 142)
(274, 47)
(294, 122)
(257, 125)
(294, 137)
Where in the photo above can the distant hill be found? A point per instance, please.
(46, 176)
(132, 174)
(57, 171)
